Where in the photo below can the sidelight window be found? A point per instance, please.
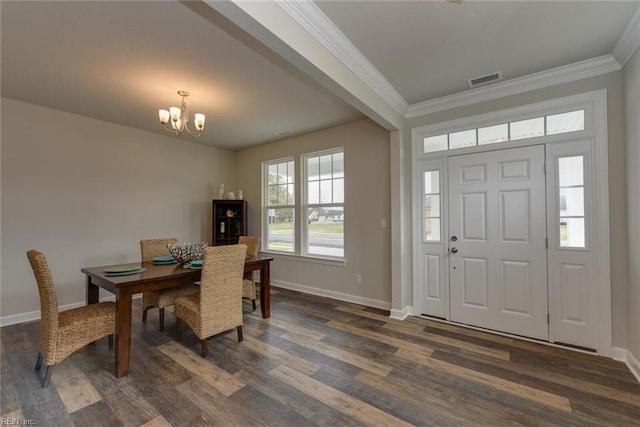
(431, 202)
(571, 201)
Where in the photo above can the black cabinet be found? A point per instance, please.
(229, 221)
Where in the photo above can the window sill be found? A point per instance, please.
(306, 258)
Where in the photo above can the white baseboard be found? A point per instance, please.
(384, 305)
(623, 355)
(35, 315)
(401, 314)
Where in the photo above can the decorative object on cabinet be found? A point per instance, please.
(229, 221)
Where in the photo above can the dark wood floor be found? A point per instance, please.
(318, 361)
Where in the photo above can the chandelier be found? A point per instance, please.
(180, 117)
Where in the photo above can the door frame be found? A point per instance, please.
(595, 130)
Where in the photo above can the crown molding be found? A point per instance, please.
(316, 23)
(629, 41)
(555, 76)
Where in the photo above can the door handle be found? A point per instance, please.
(454, 250)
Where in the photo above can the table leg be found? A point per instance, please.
(265, 291)
(93, 292)
(123, 332)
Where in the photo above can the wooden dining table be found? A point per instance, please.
(153, 278)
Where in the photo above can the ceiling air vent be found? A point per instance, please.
(486, 79)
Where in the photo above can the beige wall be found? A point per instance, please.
(367, 194)
(612, 82)
(632, 137)
(85, 192)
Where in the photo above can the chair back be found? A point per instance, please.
(252, 242)
(221, 287)
(151, 248)
(48, 303)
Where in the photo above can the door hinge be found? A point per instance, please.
(548, 318)
(546, 242)
(544, 168)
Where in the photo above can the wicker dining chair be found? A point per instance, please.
(64, 332)
(149, 249)
(218, 305)
(248, 284)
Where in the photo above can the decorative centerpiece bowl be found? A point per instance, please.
(184, 253)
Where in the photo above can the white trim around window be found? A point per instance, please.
(303, 203)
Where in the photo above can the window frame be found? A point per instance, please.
(266, 207)
(300, 227)
(305, 205)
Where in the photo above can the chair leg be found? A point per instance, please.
(161, 326)
(110, 338)
(144, 315)
(205, 350)
(240, 338)
(178, 328)
(39, 361)
(47, 376)
(253, 302)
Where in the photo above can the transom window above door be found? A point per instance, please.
(534, 127)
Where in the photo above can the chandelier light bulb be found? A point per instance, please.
(199, 121)
(164, 116)
(175, 113)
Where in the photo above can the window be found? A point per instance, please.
(432, 206)
(493, 134)
(565, 122)
(436, 143)
(324, 204)
(553, 124)
(526, 128)
(571, 203)
(315, 215)
(280, 205)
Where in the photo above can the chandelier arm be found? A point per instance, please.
(177, 132)
(196, 133)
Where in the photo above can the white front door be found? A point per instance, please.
(497, 241)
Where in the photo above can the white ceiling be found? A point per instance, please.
(122, 61)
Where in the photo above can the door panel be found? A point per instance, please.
(432, 277)
(574, 314)
(497, 261)
(474, 282)
(431, 296)
(573, 307)
(514, 218)
(515, 282)
(474, 216)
